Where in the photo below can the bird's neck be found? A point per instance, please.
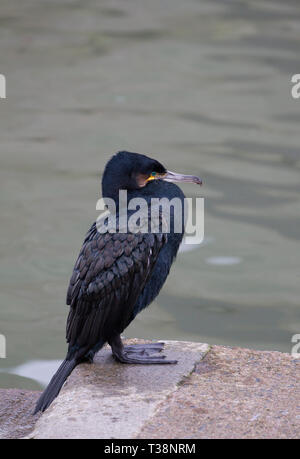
(143, 196)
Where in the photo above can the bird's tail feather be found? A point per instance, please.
(53, 388)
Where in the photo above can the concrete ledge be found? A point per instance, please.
(233, 393)
(112, 400)
(213, 392)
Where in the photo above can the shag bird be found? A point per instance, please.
(118, 274)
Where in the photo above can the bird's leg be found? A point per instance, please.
(89, 356)
(87, 359)
(140, 354)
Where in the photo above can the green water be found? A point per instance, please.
(204, 86)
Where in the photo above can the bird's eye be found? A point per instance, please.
(152, 176)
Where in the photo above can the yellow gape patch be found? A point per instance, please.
(152, 176)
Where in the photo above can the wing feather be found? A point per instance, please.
(109, 274)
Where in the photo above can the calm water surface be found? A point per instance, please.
(204, 86)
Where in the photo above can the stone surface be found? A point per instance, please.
(224, 393)
(16, 407)
(113, 400)
(233, 393)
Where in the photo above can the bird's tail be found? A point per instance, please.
(53, 388)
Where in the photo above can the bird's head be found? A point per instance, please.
(133, 171)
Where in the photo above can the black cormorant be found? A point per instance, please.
(118, 274)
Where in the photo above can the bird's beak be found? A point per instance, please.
(173, 177)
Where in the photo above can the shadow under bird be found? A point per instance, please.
(118, 274)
